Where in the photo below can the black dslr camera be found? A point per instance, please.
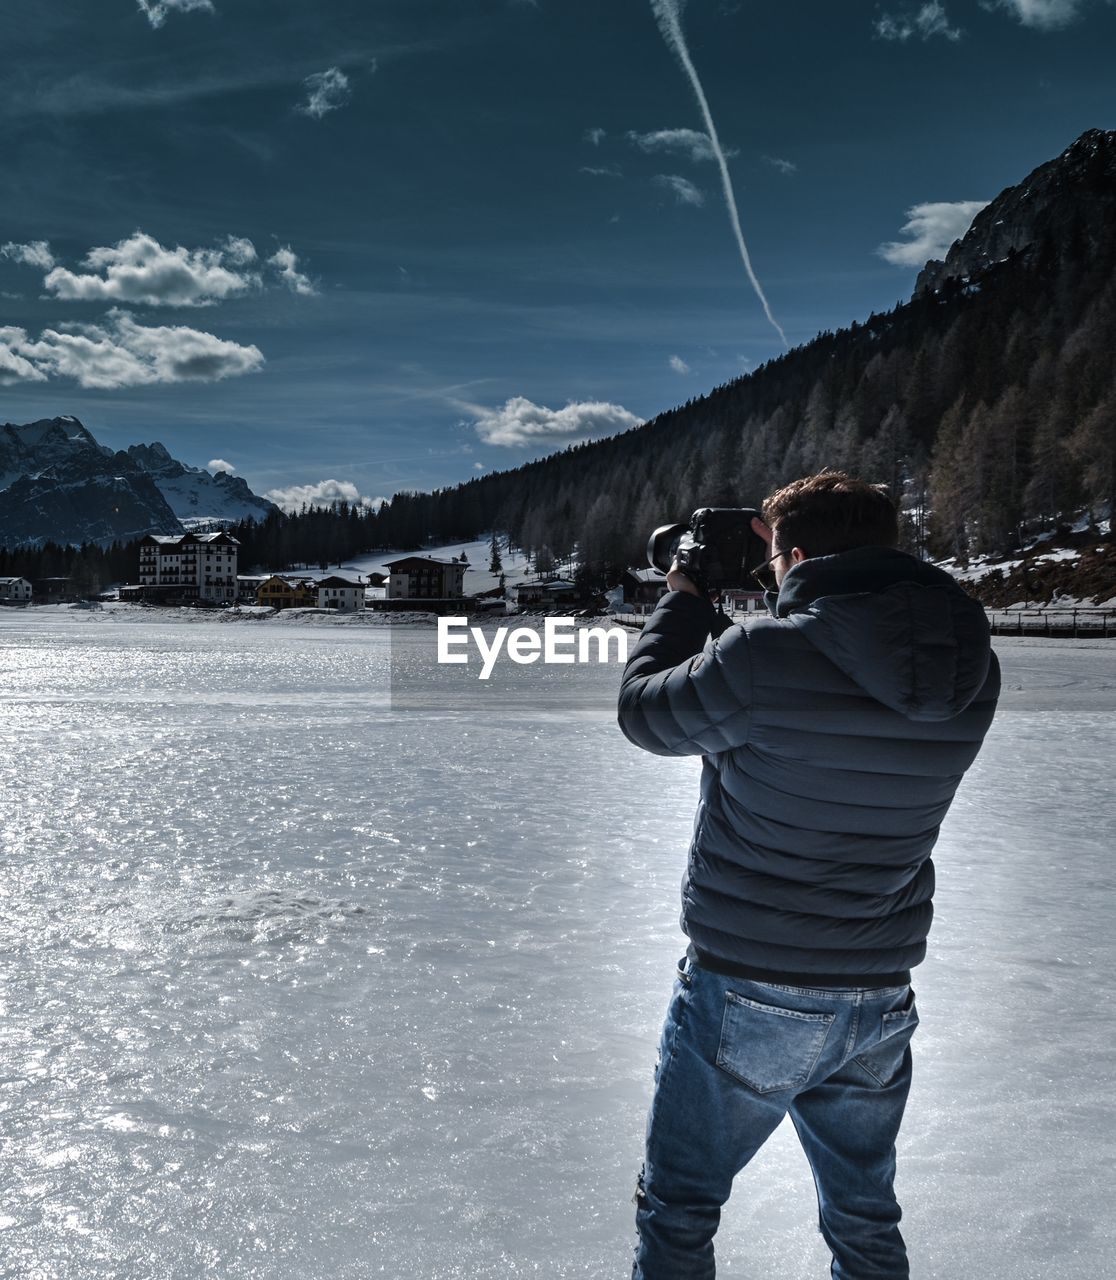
(718, 549)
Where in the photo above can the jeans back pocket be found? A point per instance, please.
(886, 1056)
(768, 1048)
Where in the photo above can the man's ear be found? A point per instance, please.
(798, 555)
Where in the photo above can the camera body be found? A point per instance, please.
(718, 549)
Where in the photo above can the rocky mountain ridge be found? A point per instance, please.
(59, 484)
(1067, 198)
(195, 494)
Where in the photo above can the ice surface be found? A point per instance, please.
(297, 985)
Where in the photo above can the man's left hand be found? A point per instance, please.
(678, 581)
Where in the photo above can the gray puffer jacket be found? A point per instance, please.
(834, 735)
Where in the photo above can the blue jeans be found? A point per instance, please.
(735, 1057)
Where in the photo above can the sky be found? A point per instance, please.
(346, 249)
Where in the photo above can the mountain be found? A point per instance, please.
(82, 503)
(59, 484)
(1040, 207)
(35, 446)
(986, 402)
(194, 494)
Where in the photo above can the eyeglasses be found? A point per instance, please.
(764, 574)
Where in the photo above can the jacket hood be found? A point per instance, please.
(902, 629)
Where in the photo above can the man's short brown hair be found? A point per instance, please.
(832, 512)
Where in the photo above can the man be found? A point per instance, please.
(833, 735)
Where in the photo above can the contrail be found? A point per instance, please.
(668, 14)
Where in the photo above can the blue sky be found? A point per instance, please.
(394, 245)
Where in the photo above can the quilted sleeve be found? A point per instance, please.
(683, 693)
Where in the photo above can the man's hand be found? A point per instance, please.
(764, 532)
(678, 581)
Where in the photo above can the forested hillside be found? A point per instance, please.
(988, 401)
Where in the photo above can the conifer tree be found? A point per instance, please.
(1093, 445)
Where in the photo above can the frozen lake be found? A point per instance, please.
(297, 985)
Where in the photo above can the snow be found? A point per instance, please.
(112, 611)
(478, 553)
(979, 566)
(199, 496)
(298, 983)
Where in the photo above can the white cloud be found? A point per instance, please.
(522, 422)
(156, 10)
(931, 229)
(785, 167)
(326, 91)
(219, 464)
(684, 190)
(323, 494)
(34, 254)
(15, 367)
(678, 364)
(696, 145)
(595, 136)
(889, 27)
(239, 250)
(140, 270)
(927, 21)
(1046, 15)
(604, 171)
(286, 264)
(122, 353)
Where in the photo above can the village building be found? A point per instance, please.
(15, 591)
(548, 594)
(643, 586)
(426, 578)
(47, 590)
(287, 593)
(744, 601)
(247, 584)
(342, 594)
(189, 566)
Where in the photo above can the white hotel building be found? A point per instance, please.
(192, 565)
(15, 591)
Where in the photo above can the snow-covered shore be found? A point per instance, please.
(111, 611)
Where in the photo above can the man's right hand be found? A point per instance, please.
(764, 532)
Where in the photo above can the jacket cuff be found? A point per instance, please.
(678, 628)
(685, 609)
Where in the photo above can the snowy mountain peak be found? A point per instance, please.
(48, 431)
(58, 483)
(194, 494)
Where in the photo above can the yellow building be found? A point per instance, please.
(287, 593)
